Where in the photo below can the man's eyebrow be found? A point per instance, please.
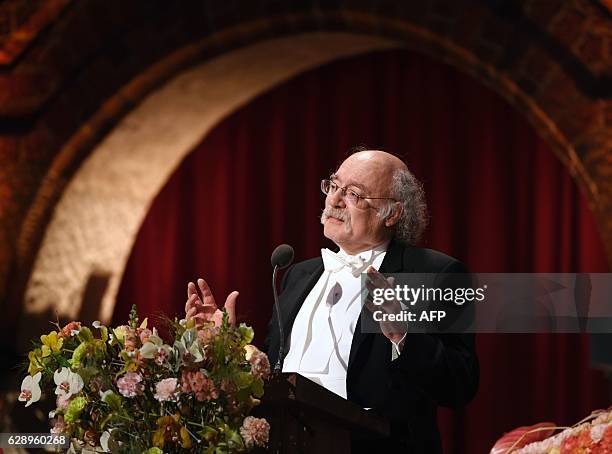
(333, 176)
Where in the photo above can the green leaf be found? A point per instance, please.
(104, 333)
(76, 406)
(234, 441)
(113, 401)
(208, 433)
(189, 337)
(78, 354)
(106, 420)
(246, 333)
(243, 380)
(118, 336)
(87, 373)
(242, 395)
(63, 362)
(85, 334)
(257, 387)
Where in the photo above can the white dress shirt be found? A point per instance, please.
(322, 333)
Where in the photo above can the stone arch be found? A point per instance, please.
(92, 230)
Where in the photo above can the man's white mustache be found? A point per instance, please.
(334, 213)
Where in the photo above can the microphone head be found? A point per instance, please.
(282, 256)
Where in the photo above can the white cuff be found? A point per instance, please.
(399, 345)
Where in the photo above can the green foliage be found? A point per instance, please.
(154, 451)
(121, 369)
(134, 317)
(76, 406)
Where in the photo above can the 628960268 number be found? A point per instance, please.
(33, 440)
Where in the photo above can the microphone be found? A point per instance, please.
(282, 257)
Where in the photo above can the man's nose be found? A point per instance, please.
(336, 199)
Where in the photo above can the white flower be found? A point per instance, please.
(30, 389)
(188, 347)
(104, 440)
(154, 348)
(105, 394)
(68, 383)
(96, 324)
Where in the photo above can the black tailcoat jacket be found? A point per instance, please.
(432, 370)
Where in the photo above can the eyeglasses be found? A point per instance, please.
(328, 187)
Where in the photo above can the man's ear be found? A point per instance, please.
(394, 218)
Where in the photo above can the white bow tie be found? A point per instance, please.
(334, 262)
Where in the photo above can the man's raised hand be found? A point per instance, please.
(202, 306)
(394, 331)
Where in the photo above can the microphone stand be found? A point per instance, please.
(278, 367)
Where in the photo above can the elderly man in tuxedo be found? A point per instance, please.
(375, 213)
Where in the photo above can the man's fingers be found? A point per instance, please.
(376, 278)
(230, 307)
(207, 297)
(191, 290)
(193, 298)
(369, 304)
(379, 281)
(192, 301)
(204, 288)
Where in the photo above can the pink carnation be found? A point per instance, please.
(130, 384)
(161, 357)
(59, 426)
(130, 338)
(130, 342)
(167, 390)
(260, 365)
(255, 431)
(69, 328)
(144, 334)
(62, 401)
(202, 387)
(207, 333)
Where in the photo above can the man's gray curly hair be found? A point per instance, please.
(407, 190)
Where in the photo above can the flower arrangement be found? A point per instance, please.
(591, 435)
(126, 390)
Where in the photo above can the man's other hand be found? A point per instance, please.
(394, 331)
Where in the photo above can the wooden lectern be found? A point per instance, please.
(307, 418)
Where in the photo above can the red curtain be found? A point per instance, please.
(499, 200)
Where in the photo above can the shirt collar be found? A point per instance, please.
(366, 256)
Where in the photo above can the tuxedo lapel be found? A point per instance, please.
(392, 263)
(394, 259)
